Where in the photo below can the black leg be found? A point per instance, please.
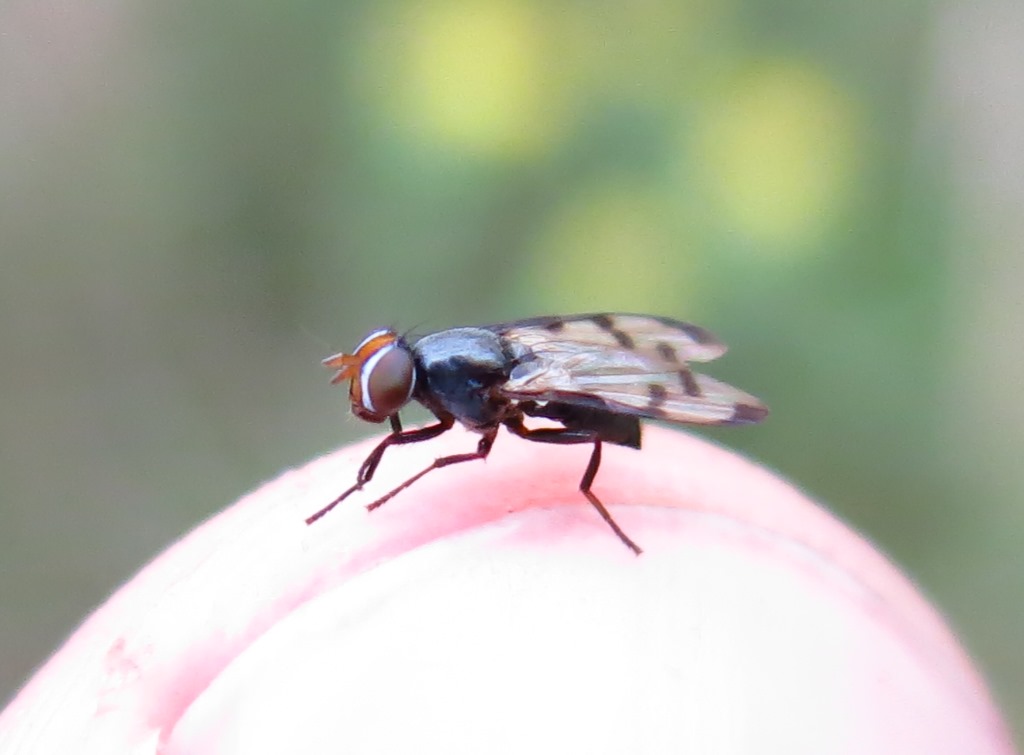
(570, 436)
(482, 449)
(398, 437)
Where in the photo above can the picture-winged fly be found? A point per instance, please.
(595, 375)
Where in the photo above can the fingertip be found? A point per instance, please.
(494, 571)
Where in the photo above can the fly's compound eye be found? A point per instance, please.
(385, 383)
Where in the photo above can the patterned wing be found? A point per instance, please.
(629, 364)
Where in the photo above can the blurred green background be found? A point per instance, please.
(199, 200)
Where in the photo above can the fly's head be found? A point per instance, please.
(381, 374)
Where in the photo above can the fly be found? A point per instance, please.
(596, 375)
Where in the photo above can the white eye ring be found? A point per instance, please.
(367, 371)
(375, 334)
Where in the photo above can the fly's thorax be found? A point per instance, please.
(459, 370)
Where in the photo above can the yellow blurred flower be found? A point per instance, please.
(615, 247)
(472, 75)
(776, 150)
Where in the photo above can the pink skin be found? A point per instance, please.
(489, 609)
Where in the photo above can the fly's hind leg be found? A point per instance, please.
(569, 436)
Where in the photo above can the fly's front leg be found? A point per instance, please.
(482, 449)
(397, 437)
(568, 436)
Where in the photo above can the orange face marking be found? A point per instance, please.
(348, 365)
(351, 367)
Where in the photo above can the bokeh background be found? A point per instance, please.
(199, 200)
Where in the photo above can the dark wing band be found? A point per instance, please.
(632, 364)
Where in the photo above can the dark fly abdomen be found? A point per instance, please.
(456, 371)
(620, 429)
